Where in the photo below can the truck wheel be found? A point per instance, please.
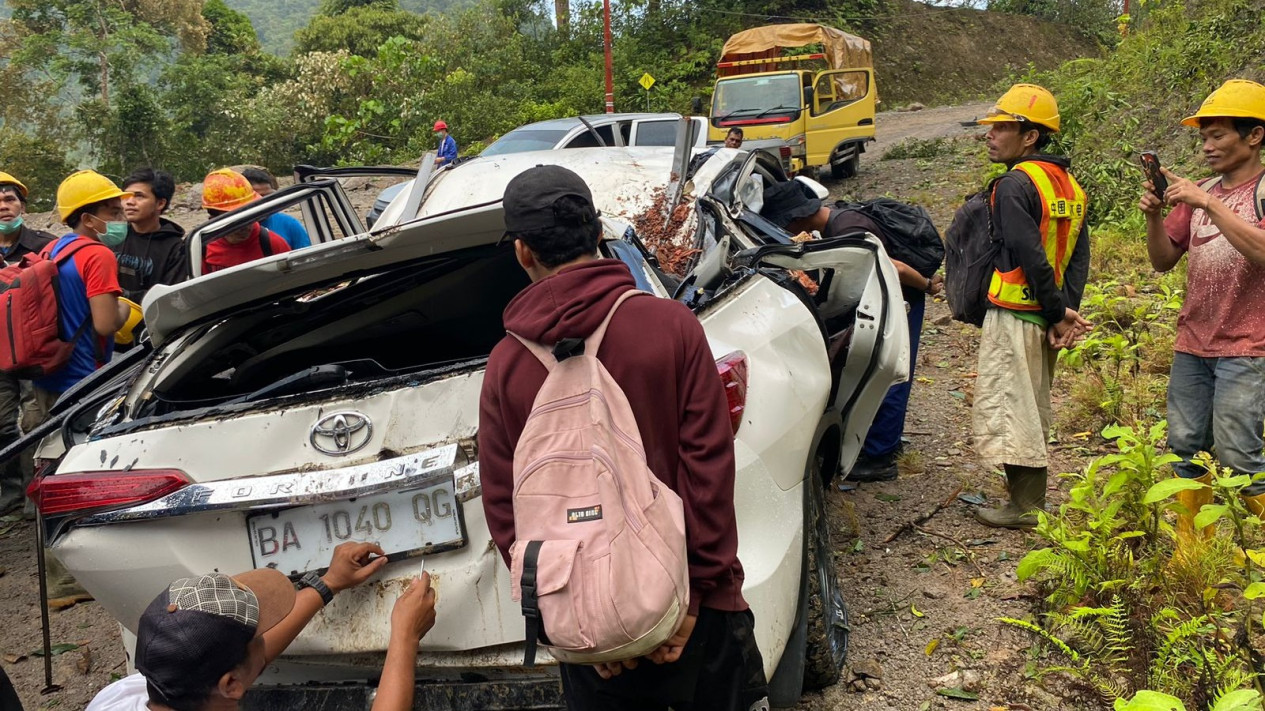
(827, 640)
(847, 169)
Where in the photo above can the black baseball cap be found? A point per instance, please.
(530, 197)
(787, 202)
(198, 629)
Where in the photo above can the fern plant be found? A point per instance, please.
(1124, 618)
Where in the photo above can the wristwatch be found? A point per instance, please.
(312, 580)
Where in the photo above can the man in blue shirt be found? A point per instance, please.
(286, 227)
(447, 146)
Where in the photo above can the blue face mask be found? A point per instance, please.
(10, 226)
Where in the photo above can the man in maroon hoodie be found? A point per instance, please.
(658, 354)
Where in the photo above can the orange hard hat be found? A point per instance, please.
(226, 189)
(440, 126)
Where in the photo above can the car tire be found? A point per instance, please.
(827, 635)
(847, 169)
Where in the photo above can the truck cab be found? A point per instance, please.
(812, 110)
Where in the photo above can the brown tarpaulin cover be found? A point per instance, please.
(842, 50)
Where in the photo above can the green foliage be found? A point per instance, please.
(1095, 17)
(1121, 365)
(359, 29)
(39, 163)
(231, 31)
(1125, 615)
(924, 148)
(277, 21)
(339, 7)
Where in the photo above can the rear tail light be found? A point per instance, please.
(91, 491)
(785, 151)
(733, 373)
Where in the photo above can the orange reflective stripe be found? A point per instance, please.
(1062, 215)
(1010, 290)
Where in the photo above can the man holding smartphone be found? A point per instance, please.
(1216, 390)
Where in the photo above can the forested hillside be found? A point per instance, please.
(276, 21)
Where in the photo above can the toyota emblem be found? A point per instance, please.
(341, 433)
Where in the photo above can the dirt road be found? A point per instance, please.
(941, 122)
(924, 602)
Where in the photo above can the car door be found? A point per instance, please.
(842, 109)
(328, 215)
(862, 312)
(308, 173)
(858, 300)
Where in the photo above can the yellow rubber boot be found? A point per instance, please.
(1256, 504)
(1188, 539)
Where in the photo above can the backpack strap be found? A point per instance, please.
(544, 355)
(530, 603)
(1259, 202)
(62, 257)
(550, 357)
(265, 240)
(594, 341)
(68, 251)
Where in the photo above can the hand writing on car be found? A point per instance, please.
(414, 612)
(351, 566)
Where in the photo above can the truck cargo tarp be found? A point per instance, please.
(842, 50)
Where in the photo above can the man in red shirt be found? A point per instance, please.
(1216, 391)
(677, 398)
(88, 305)
(225, 190)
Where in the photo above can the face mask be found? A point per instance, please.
(8, 228)
(115, 233)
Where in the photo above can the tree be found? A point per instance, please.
(88, 42)
(230, 31)
(332, 8)
(562, 13)
(359, 30)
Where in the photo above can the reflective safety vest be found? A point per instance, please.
(1062, 215)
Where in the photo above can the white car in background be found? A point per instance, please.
(596, 130)
(331, 393)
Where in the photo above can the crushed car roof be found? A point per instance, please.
(462, 209)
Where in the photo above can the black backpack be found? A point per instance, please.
(971, 251)
(910, 235)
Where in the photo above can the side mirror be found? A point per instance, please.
(696, 105)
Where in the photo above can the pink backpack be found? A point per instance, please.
(599, 559)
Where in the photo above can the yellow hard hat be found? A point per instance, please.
(1237, 98)
(6, 179)
(1027, 102)
(126, 333)
(226, 189)
(85, 188)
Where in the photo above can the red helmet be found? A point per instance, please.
(440, 126)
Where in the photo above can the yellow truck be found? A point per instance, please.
(804, 92)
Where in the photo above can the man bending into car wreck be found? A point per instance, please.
(204, 641)
(794, 207)
(679, 405)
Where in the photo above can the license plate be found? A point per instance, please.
(405, 523)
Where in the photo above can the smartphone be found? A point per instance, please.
(1151, 168)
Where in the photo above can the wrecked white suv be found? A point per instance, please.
(331, 394)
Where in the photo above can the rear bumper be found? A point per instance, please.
(475, 695)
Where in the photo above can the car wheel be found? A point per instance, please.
(827, 639)
(847, 169)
